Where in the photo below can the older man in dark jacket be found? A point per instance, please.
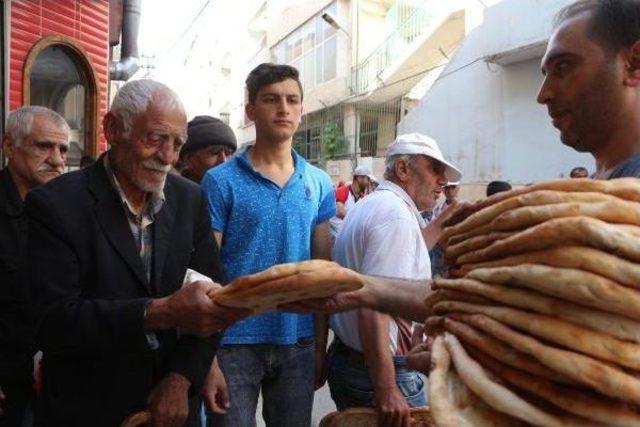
(36, 144)
(109, 247)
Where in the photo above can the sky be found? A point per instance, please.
(192, 41)
(168, 27)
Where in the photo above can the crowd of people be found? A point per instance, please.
(92, 262)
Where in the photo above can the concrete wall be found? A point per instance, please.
(484, 115)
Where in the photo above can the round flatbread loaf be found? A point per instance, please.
(611, 412)
(566, 283)
(476, 222)
(617, 326)
(487, 344)
(605, 378)
(452, 403)
(578, 257)
(262, 296)
(498, 396)
(560, 332)
(624, 188)
(620, 240)
(475, 243)
(282, 270)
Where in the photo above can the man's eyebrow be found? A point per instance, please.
(49, 143)
(280, 94)
(555, 57)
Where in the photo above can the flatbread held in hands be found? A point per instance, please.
(287, 283)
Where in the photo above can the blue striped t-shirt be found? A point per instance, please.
(262, 225)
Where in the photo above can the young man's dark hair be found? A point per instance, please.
(497, 187)
(614, 24)
(268, 73)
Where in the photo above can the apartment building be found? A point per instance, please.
(482, 107)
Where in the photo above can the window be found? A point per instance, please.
(312, 49)
(58, 76)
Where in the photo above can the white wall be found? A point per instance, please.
(484, 115)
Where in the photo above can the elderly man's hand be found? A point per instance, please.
(168, 401)
(392, 408)
(192, 310)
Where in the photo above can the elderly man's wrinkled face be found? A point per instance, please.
(425, 181)
(582, 87)
(41, 155)
(200, 161)
(144, 158)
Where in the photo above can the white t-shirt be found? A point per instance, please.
(381, 236)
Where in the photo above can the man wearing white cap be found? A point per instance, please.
(383, 236)
(348, 195)
(450, 199)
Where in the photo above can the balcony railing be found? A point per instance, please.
(413, 20)
(328, 134)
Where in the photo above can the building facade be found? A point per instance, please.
(482, 107)
(361, 63)
(56, 54)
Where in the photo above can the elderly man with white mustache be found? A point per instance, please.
(35, 144)
(108, 249)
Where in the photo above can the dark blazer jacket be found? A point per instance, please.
(16, 363)
(88, 292)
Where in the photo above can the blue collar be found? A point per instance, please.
(299, 166)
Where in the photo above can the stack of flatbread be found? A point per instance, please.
(287, 283)
(539, 320)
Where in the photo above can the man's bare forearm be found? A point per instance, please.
(397, 297)
(374, 335)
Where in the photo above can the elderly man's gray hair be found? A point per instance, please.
(20, 121)
(390, 164)
(135, 96)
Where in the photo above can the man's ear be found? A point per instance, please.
(8, 147)
(401, 170)
(112, 127)
(632, 65)
(249, 109)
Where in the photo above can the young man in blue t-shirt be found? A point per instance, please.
(269, 206)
